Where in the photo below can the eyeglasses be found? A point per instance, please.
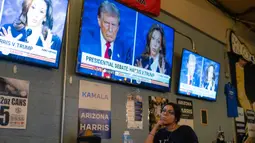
(168, 112)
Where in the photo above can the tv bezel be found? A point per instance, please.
(36, 64)
(195, 97)
(123, 82)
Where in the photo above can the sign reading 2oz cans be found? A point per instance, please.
(13, 103)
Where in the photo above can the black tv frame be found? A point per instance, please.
(122, 82)
(195, 97)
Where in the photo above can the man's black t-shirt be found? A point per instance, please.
(184, 134)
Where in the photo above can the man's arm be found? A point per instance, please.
(153, 134)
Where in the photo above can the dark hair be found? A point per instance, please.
(177, 110)
(110, 8)
(21, 22)
(146, 53)
(207, 70)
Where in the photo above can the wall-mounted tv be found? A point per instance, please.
(199, 76)
(121, 44)
(31, 30)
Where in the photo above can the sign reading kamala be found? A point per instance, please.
(95, 108)
(94, 95)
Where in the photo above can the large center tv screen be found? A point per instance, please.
(31, 30)
(121, 44)
(199, 76)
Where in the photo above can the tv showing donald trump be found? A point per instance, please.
(199, 76)
(31, 30)
(121, 44)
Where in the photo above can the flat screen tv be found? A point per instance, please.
(121, 44)
(31, 30)
(199, 76)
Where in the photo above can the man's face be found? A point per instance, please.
(210, 73)
(191, 65)
(109, 25)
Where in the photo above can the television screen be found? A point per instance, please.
(121, 44)
(32, 30)
(199, 76)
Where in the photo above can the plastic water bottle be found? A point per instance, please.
(127, 137)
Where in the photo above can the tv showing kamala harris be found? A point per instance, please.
(121, 44)
(31, 30)
(199, 76)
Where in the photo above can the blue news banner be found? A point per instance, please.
(98, 121)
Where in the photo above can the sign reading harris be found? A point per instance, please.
(97, 121)
(95, 109)
(187, 116)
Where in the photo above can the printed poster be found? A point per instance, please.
(251, 123)
(95, 109)
(13, 103)
(134, 109)
(187, 117)
(241, 69)
(155, 107)
(240, 123)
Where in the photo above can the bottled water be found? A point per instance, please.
(126, 137)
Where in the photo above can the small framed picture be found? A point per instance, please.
(204, 116)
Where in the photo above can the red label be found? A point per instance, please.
(147, 6)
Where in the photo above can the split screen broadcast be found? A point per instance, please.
(199, 76)
(121, 44)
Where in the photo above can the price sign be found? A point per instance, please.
(13, 103)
